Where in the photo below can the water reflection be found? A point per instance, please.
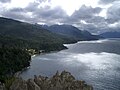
(93, 61)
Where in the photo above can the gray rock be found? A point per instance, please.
(2, 86)
(32, 85)
(63, 81)
(19, 84)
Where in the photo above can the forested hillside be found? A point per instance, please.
(71, 32)
(18, 40)
(113, 34)
(24, 35)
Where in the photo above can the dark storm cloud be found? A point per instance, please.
(43, 1)
(48, 13)
(107, 1)
(17, 10)
(85, 12)
(87, 18)
(15, 13)
(95, 19)
(32, 7)
(45, 14)
(18, 14)
(36, 13)
(113, 13)
(5, 1)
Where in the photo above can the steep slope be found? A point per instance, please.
(88, 36)
(114, 34)
(22, 30)
(71, 32)
(29, 35)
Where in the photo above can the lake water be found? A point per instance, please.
(96, 62)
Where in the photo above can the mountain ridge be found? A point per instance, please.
(112, 34)
(33, 36)
(70, 31)
(48, 38)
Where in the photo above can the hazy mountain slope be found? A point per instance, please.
(29, 35)
(13, 28)
(71, 32)
(114, 34)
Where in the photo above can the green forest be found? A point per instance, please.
(11, 61)
(17, 39)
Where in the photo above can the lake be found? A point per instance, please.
(96, 62)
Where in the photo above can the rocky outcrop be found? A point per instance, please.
(2, 86)
(62, 81)
(19, 84)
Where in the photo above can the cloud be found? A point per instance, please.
(96, 19)
(86, 17)
(86, 12)
(113, 13)
(32, 7)
(34, 13)
(4, 1)
(15, 13)
(43, 1)
(107, 1)
(50, 13)
(46, 14)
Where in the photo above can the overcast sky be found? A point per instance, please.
(95, 16)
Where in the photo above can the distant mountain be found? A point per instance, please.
(111, 34)
(71, 32)
(25, 35)
(13, 28)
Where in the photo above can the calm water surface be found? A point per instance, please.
(96, 62)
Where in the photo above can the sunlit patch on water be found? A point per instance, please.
(96, 62)
(95, 41)
(93, 60)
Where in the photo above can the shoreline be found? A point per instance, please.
(17, 74)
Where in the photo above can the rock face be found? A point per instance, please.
(63, 81)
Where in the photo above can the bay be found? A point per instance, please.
(96, 62)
